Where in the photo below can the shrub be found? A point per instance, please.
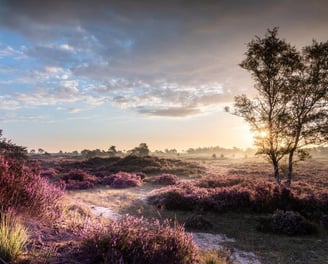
(214, 183)
(223, 200)
(13, 237)
(135, 240)
(165, 179)
(79, 179)
(22, 188)
(287, 223)
(125, 180)
(175, 200)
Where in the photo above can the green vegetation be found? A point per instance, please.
(13, 237)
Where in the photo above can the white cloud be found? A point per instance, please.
(66, 47)
(7, 103)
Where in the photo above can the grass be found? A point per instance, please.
(214, 257)
(13, 237)
(270, 248)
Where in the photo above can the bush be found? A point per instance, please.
(135, 240)
(79, 179)
(175, 200)
(223, 200)
(165, 179)
(124, 180)
(23, 189)
(13, 237)
(287, 223)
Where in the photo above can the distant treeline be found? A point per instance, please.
(142, 149)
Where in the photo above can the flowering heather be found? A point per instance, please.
(22, 188)
(136, 240)
(79, 179)
(260, 198)
(123, 180)
(165, 179)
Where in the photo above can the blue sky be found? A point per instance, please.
(90, 74)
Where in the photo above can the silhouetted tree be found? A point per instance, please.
(11, 150)
(290, 110)
(112, 151)
(142, 150)
(41, 151)
(307, 108)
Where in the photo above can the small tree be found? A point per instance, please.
(142, 150)
(290, 110)
(11, 150)
(112, 151)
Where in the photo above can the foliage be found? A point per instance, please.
(22, 188)
(258, 198)
(11, 150)
(123, 180)
(135, 240)
(112, 151)
(290, 110)
(79, 179)
(13, 236)
(287, 223)
(165, 179)
(142, 150)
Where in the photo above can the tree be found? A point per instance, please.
(307, 108)
(290, 110)
(11, 150)
(40, 150)
(142, 150)
(112, 151)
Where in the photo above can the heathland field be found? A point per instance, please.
(170, 210)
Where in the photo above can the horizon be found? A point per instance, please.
(77, 75)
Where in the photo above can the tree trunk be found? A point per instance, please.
(276, 173)
(290, 168)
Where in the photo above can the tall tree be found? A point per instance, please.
(308, 104)
(290, 110)
(272, 63)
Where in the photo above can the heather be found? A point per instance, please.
(256, 197)
(79, 179)
(229, 194)
(102, 167)
(287, 223)
(123, 180)
(136, 240)
(22, 188)
(165, 179)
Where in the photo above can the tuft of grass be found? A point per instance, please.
(13, 237)
(214, 257)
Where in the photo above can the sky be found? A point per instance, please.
(90, 74)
